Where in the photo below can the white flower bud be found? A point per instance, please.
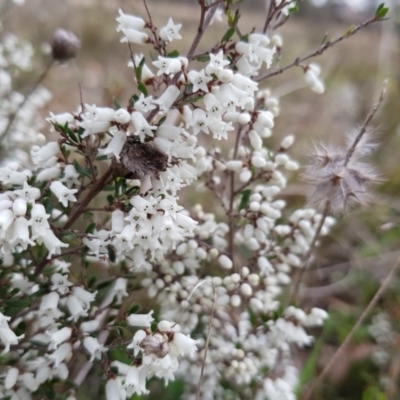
(164, 326)
(19, 207)
(213, 253)
(122, 116)
(246, 289)
(234, 165)
(258, 162)
(245, 175)
(244, 118)
(291, 166)
(236, 300)
(255, 140)
(11, 378)
(253, 279)
(287, 142)
(225, 262)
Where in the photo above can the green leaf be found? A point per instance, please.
(245, 199)
(92, 281)
(103, 285)
(81, 170)
(162, 120)
(111, 254)
(119, 355)
(173, 54)
(14, 306)
(143, 89)
(139, 69)
(381, 11)
(102, 158)
(205, 58)
(110, 199)
(87, 215)
(116, 104)
(134, 309)
(90, 228)
(228, 34)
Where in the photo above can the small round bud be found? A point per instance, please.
(64, 45)
(19, 207)
(164, 326)
(225, 262)
(235, 300)
(287, 142)
(122, 116)
(213, 253)
(246, 289)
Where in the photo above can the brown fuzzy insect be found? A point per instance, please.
(138, 160)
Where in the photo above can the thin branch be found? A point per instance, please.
(207, 343)
(349, 336)
(81, 206)
(319, 51)
(203, 24)
(363, 129)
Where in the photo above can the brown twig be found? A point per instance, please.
(319, 51)
(203, 24)
(360, 320)
(207, 342)
(363, 129)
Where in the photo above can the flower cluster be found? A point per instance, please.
(95, 215)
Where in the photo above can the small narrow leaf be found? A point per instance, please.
(203, 58)
(81, 170)
(228, 34)
(173, 54)
(116, 104)
(381, 11)
(245, 199)
(143, 89)
(90, 228)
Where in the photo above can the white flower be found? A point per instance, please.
(122, 116)
(61, 119)
(84, 296)
(94, 348)
(62, 193)
(134, 36)
(75, 308)
(119, 289)
(112, 390)
(8, 337)
(11, 378)
(48, 174)
(115, 145)
(45, 156)
(144, 104)
(143, 128)
(184, 344)
(28, 193)
(144, 320)
(170, 32)
(312, 79)
(216, 63)
(167, 99)
(135, 381)
(96, 119)
(60, 283)
(58, 336)
(138, 338)
(71, 176)
(51, 241)
(199, 80)
(60, 354)
(49, 304)
(170, 65)
(129, 22)
(21, 234)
